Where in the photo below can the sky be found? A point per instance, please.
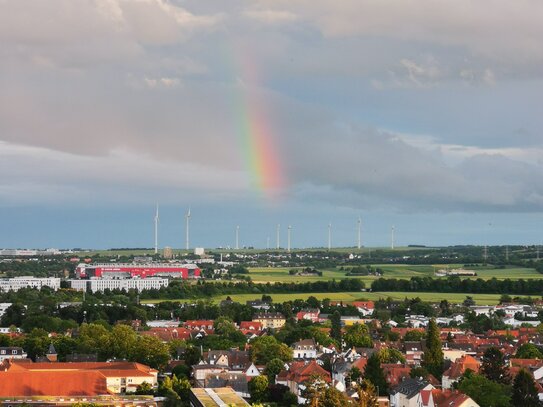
(425, 115)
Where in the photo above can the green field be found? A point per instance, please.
(481, 299)
(405, 271)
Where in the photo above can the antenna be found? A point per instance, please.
(392, 238)
(277, 237)
(187, 229)
(329, 236)
(288, 238)
(156, 229)
(359, 227)
(237, 237)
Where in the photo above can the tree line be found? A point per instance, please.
(457, 285)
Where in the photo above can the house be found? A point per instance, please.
(260, 305)
(270, 320)
(11, 352)
(200, 325)
(444, 398)
(116, 377)
(298, 374)
(364, 307)
(250, 326)
(406, 393)
(305, 349)
(309, 314)
(457, 369)
(169, 334)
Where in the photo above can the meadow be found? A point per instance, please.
(404, 271)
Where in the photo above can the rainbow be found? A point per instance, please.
(256, 136)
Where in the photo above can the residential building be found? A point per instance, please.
(114, 377)
(406, 393)
(270, 320)
(12, 352)
(305, 349)
(124, 284)
(16, 283)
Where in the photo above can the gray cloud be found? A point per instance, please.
(146, 97)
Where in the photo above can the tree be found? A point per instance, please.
(528, 351)
(433, 355)
(258, 388)
(357, 335)
(417, 372)
(266, 348)
(273, 367)
(374, 373)
(355, 374)
(367, 395)
(485, 392)
(493, 366)
(524, 390)
(335, 332)
(151, 351)
(332, 397)
(413, 336)
(390, 355)
(224, 326)
(144, 388)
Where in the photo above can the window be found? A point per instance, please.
(13, 352)
(3, 352)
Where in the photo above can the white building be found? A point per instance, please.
(101, 284)
(16, 283)
(3, 307)
(12, 352)
(305, 349)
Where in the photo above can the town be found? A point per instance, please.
(138, 330)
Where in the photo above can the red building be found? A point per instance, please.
(131, 270)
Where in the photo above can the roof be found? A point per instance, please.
(410, 387)
(216, 397)
(56, 383)
(110, 369)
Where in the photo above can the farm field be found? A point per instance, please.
(405, 271)
(481, 299)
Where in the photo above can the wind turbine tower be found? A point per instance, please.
(359, 229)
(288, 237)
(237, 237)
(392, 238)
(156, 230)
(329, 236)
(187, 230)
(277, 238)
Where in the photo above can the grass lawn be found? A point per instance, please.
(481, 299)
(405, 271)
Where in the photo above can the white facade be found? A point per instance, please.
(16, 283)
(3, 307)
(101, 284)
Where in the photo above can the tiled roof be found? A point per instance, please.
(52, 383)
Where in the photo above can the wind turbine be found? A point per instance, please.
(329, 236)
(392, 237)
(156, 229)
(359, 228)
(237, 237)
(288, 238)
(187, 229)
(277, 244)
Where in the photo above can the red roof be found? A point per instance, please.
(363, 304)
(52, 383)
(251, 325)
(300, 372)
(168, 334)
